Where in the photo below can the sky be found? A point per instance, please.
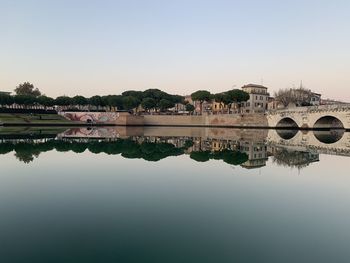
(86, 47)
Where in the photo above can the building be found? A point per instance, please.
(5, 93)
(315, 99)
(259, 98)
(218, 107)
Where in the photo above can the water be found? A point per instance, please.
(174, 195)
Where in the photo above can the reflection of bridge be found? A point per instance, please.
(315, 117)
(335, 142)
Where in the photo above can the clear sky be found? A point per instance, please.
(105, 47)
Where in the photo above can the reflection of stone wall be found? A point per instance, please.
(102, 132)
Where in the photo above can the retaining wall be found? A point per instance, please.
(224, 120)
(126, 119)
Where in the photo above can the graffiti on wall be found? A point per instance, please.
(92, 117)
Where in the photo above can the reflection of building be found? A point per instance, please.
(257, 154)
(258, 98)
(292, 158)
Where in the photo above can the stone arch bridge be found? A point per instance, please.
(314, 117)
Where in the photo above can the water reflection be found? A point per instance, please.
(248, 148)
(329, 137)
(287, 134)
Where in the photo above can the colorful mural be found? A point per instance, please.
(92, 117)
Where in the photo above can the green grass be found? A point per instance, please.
(8, 118)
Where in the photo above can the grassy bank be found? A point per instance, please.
(32, 119)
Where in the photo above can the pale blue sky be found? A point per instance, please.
(105, 47)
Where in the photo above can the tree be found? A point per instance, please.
(134, 93)
(80, 100)
(6, 99)
(27, 89)
(63, 101)
(189, 108)
(115, 101)
(25, 100)
(130, 102)
(235, 96)
(300, 96)
(220, 98)
(96, 101)
(284, 96)
(46, 101)
(148, 103)
(165, 104)
(201, 96)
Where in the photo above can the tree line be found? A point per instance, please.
(27, 96)
(26, 151)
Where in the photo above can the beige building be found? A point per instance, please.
(218, 107)
(259, 98)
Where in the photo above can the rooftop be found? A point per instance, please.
(254, 86)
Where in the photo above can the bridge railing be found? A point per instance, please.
(321, 108)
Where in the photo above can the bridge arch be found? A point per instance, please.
(328, 122)
(287, 122)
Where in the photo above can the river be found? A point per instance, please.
(148, 194)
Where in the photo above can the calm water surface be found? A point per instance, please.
(174, 195)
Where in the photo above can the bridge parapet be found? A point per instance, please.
(324, 116)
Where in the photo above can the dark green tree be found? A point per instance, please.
(115, 101)
(80, 101)
(130, 102)
(46, 101)
(148, 103)
(165, 104)
(63, 101)
(27, 88)
(25, 100)
(189, 108)
(96, 101)
(134, 93)
(201, 96)
(6, 99)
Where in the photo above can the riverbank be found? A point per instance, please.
(47, 120)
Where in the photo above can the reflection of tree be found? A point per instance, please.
(294, 159)
(6, 148)
(228, 156)
(200, 156)
(27, 151)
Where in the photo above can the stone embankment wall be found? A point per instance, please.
(126, 119)
(223, 120)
